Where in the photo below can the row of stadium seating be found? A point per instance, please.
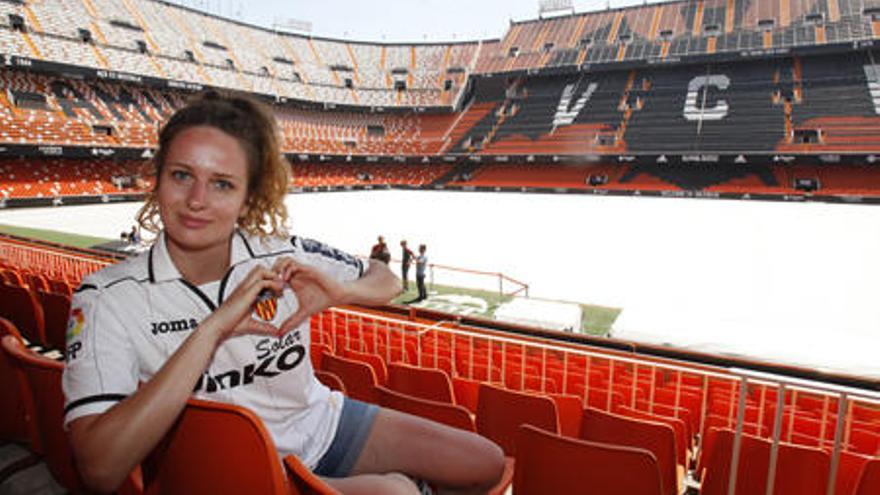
(492, 383)
(60, 178)
(37, 109)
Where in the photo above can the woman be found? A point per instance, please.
(179, 321)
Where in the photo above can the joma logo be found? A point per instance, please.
(173, 326)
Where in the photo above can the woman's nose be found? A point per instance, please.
(197, 195)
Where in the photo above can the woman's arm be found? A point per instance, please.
(108, 446)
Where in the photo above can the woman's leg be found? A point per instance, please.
(371, 484)
(454, 460)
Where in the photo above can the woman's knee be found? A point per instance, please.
(486, 461)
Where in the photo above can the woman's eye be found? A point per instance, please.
(223, 185)
(179, 174)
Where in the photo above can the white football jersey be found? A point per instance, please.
(129, 318)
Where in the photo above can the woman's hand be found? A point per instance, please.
(314, 290)
(233, 317)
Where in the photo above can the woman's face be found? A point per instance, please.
(202, 189)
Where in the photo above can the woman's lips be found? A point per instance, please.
(192, 222)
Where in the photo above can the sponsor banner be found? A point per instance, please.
(53, 151)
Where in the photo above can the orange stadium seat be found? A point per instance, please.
(500, 412)
(40, 387)
(655, 437)
(430, 384)
(193, 458)
(359, 378)
(550, 463)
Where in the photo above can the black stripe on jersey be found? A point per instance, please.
(150, 265)
(208, 301)
(223, 283)
(246, 245)
(85, 287)
(111, 284)
(94, 398)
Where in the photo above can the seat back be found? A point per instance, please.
(799, 470)
(869, 482)
(467, 392)
(550, 463)
(219, 448)
(374, 360)
(657, 438)
(331, 380)
(20, 306)
(56, 311)
(359, 378)
(681, 439)
(570, 407)
(441, 412)
(43, 379)
(13, 421)
(500, 412)
(425, 383)
(849, 471)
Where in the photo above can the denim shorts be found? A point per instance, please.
(348, 442)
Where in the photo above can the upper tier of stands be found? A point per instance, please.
(671, 30)
(167, 41)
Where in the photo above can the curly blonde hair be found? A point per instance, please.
(253, 126)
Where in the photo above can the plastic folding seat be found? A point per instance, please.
(869, 482)
(655, 437)
(799, 470)
(430, 384)
(682, 440)
(222, 448)
(569, 409)
(20, 306)
(441, 412)
(316, 353)
(40, 380)
(330, 380)
(467, 393)
(56, 311)
(549, 463)
(358, 377)
(849, 471)
(500, 412)
(375, 361)
(13, 423)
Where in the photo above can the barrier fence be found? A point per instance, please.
(776, 409)
(56, 262)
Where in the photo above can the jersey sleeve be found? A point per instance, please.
(338, 264)
(101, 367)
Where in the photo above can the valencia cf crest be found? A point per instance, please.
(266, 305)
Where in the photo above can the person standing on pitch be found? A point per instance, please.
(406, 260)
(380, 251)
(421, 267)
